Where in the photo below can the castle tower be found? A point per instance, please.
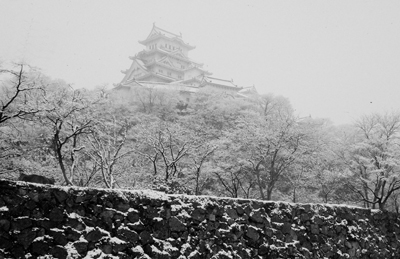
(165, 63)
(165, 60)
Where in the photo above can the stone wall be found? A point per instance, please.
(38, 220)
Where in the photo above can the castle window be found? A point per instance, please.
(180, 77)
(169, 73)
(161, 71)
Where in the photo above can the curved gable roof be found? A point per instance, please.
(158, 32)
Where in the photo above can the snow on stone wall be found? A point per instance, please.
(59, 222)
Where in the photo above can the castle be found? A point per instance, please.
(165, 64)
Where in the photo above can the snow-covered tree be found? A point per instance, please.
(374, 158)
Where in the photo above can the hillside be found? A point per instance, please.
(208, 143)
(60, 222)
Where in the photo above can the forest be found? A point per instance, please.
(208, 143)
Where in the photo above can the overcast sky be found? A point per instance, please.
(332, 59)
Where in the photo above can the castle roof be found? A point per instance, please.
(175, 54)
(198, 68)
(157, 32)
(155, 74)
(218, 81)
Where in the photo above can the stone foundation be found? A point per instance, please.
(63, 222)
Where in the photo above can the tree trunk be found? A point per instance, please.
(260, 185)
(381, 205)
(294, 195)
(62, 166)
(269, 191)
(197, 181)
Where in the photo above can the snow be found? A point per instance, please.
(4, 208)
(97, 253)
(22, 217)
(103, 231)
(149, 194)
(167, 246)
(137, 223)
(82, 239)
(158, 219)
(74, 215)
(117, 192)
(138, 249)
(158, 252)
(117, 211)
(56, 230)
(116, 240)
(72, 253)
(124, 227)
(185, 247)
(184, 214)
(89, 229)
(351, 229)
(194, 254)
(222, 252)
(202, 200)
(133, 210)
(42, 238)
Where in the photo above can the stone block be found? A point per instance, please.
(4, 225)
(137, 226)
(72, 234)
(75, 224)
(58, 252)
(133, 216)
(252, 233)
(59, 237)
(40, 247)
(5, 243)
(128, 235)
(198, 214)
(26, 237)
(61, 196)
(146, 238)
(232, 213)
(56, 215)
(81, 247)
(106, 248)
(176, 225)
(94, 235)
(21, 223)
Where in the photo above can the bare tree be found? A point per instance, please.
(169, 148)
(17, 94)
(273, 152)
(21, 88)
(198, 161)
(151, 98)
(107, 140)
(237, 181)
(67, 123)
(374, 158)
